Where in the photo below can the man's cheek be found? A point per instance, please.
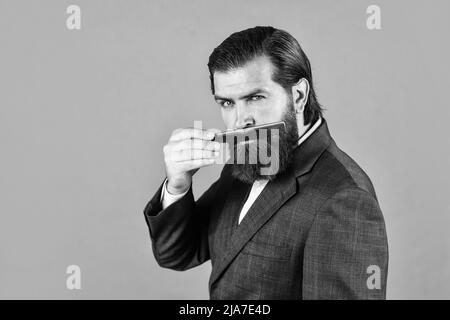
(269, 113)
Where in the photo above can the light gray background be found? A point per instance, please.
(84, 115)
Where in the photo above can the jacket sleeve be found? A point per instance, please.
(346, 252)
(179, 234)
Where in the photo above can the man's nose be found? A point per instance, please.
(244, 117)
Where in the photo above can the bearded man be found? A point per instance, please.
(311, 230)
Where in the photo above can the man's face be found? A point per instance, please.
(249, 96)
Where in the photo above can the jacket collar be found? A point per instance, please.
(307, 153)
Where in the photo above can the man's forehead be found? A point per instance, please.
(257, 74)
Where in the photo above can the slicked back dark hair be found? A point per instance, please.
(289, 61)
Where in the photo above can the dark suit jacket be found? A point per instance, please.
(312, 233)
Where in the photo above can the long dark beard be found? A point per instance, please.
(288, 140)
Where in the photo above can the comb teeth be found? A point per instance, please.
(236, 132)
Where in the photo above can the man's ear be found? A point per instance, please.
(300, 93)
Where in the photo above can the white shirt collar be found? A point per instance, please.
(310, 131)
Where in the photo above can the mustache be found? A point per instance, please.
(249, 131)
(280, 154)
(258, 150)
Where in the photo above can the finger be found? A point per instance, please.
(196, 144)
(190, 133)
(191, 154)
(214, 130)
(196, 164)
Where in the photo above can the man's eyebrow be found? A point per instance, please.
(217, 97)
(251, 93)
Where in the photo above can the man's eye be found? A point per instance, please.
(256, 98)
(226, 104)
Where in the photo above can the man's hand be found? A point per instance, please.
(187, 151)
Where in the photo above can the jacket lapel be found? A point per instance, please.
(227, 221)
(269, 201)
(274, 195)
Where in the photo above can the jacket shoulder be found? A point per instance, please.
(337, 171)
